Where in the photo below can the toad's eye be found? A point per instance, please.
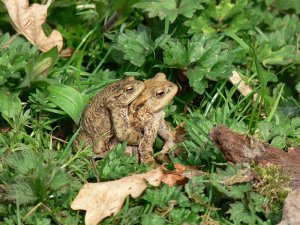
(129, 89)
(160, 94)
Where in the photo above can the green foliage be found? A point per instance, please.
(135, 46)
(204, 57)
(225, 16)
(10, 105)
(15, 53)
(117, 165)
(38, 69)
(68, 99)
(245, 212)
(162, 197)
(32, 178)
(282, 133)
(152, 218)
(170, 9)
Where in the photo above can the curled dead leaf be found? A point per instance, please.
(101, 200)
(180, 175)
(28, 21)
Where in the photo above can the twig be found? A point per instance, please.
(36, 207)
(95, 168)
(58, 139)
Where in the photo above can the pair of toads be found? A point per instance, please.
(129, 110)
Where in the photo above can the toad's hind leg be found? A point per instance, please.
(168, 135)
(145, 149)
(82, 141)
(100, 148)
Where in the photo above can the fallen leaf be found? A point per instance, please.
(101, 200)
(28, 21)
(180, 175)
(242, 176)
(243, 88)
(182, 168)
(172, 178)
(291, 209)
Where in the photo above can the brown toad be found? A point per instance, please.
(107, 115)
(147, 117)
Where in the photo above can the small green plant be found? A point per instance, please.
(117, 164)
(282, 133)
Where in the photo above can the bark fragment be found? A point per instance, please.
(240, 148)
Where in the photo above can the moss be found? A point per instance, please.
(274, 185)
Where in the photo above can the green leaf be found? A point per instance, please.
(135, 45)
(196, 79)
(36, 176)
(15, 53)
(117, 164)
(10, 104)
(297, 87)
(68, 99)
(239, 213)
(39, 68)
(236, 191)
(183, 216)
(226, 9)
(169, 8)
(279, 142)
(175, 54)
(161, 197)
(149, 219)
(285, 5)
(200, 45)
(264, 129)
(201, 24)
(211, 62)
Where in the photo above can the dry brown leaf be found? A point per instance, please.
(242, 176)
(180, 175)
(101, 200)
(28, 21)
(291, 209)
(172, 178)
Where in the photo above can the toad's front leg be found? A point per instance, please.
(121, 125)
(145, 149)
(120, 121)
(168, 135)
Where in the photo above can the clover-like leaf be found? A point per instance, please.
(175, 54)
(169, 8)
(225, 9)
(196, 79)
(135, 46)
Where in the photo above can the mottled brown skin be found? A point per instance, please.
(147, 117)
(107, 115)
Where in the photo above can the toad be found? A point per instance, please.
(107, 115)
(147, 117)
